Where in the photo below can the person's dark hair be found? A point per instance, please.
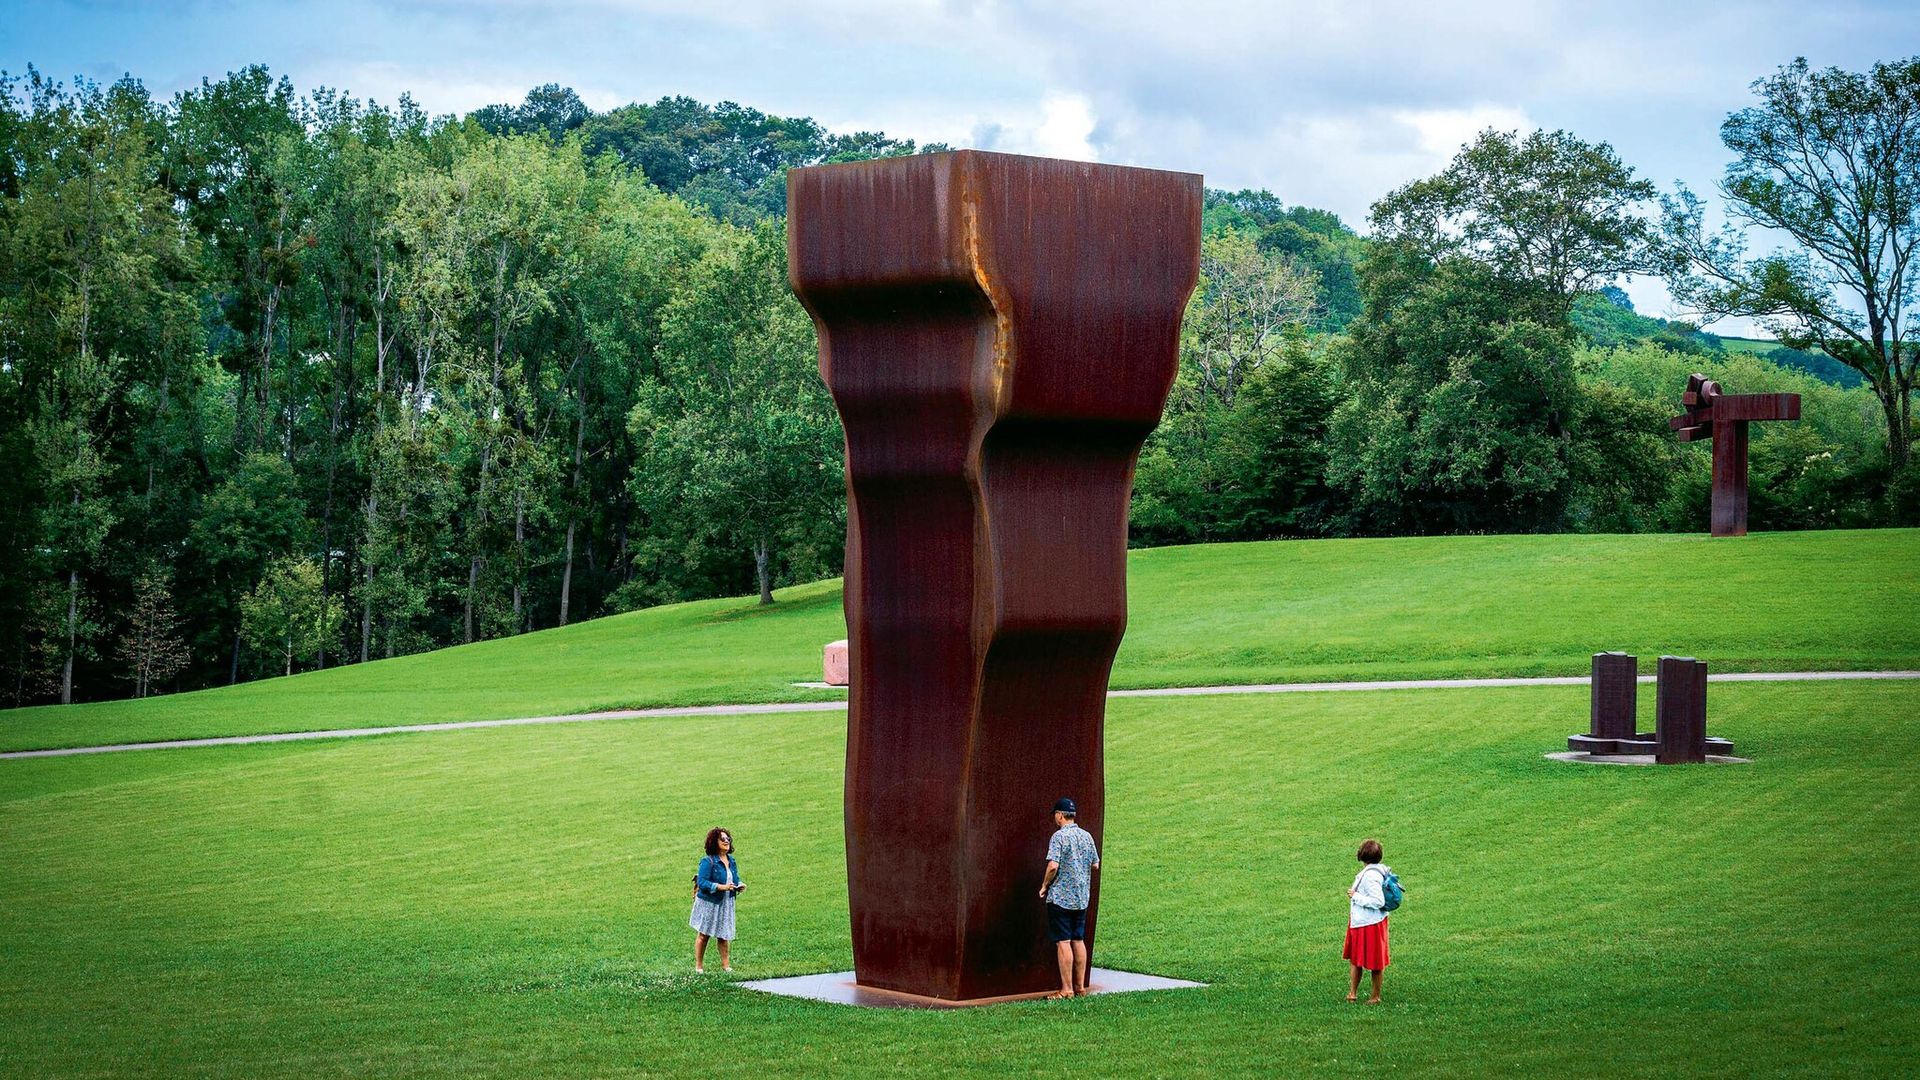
(1369, 851)
(713, 840)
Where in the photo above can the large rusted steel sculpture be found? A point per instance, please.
(999, 334)
(1725, 418)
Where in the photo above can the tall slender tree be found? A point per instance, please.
(1829, 159)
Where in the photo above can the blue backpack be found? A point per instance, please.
(1390, 889)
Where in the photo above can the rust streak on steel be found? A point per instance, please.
(999, 334)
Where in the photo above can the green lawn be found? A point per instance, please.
(512, 902)
(1752, 346)
(1221, 614)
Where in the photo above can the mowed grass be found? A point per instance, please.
(512, 902)
(1296, 611)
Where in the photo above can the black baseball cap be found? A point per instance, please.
(1064, 806)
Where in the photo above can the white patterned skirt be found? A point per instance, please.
(714, 918)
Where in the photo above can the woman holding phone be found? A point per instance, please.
(714, 889)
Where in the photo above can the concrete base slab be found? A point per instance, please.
(1639, 759)
(839, 988)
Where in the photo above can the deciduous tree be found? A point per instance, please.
(1829, 159)
(1547, 209)
(151, 646)
(289, 613)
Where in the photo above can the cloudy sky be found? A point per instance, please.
(1326, 104)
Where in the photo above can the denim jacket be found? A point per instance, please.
(713, 873)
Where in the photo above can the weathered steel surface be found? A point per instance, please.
(1613, 690)
(999, 334)
(1680, 711)
(1724, 418)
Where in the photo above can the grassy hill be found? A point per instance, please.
(512, 902)
(1819, 365)
(1223, 614)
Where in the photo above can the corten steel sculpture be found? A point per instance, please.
(999, 334)
(1612, 704)
(1680, 711)
(1725, 417)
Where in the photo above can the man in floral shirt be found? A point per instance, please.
(1067, 889)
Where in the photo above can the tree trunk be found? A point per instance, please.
(263, 393)
(343, 339)
(233, 671)
(762, 566)
(566, 575)
(519, 550)
(366, 589)
(479, 536)
(73, 621)
(1897, 404)
(573, 502)
(473, 581)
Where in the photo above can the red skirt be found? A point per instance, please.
(1367, 946)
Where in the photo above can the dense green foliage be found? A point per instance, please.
(514, 371)
(1217, 614)
(1491, 380)
(464, 376)
(513, 903)
(1607, 318)
(728, 159)
(1316, 239)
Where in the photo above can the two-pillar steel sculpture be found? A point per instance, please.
(999, 334)
(1679, 735)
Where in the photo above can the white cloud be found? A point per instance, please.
(443, 91)
(1061, 126)
(1440, 133)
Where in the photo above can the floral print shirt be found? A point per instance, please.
(1072, 847)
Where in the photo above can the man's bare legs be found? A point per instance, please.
(1375, 999)
(700, 953)
(1080, 967)
(1063, 955)
(1353, 985)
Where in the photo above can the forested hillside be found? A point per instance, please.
(289, 381)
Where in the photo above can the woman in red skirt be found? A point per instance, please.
(1367, 922)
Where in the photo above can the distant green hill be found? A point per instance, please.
(1284, 611)
(1607, 318)
(1818, 365)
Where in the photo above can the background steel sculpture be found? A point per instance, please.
(1725, 417)
(999, 334)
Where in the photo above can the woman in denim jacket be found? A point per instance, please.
(714, 888)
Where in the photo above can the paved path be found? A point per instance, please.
(836, 706)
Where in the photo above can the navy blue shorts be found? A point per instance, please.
(1066, 925)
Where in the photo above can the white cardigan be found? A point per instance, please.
(1369, 904)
